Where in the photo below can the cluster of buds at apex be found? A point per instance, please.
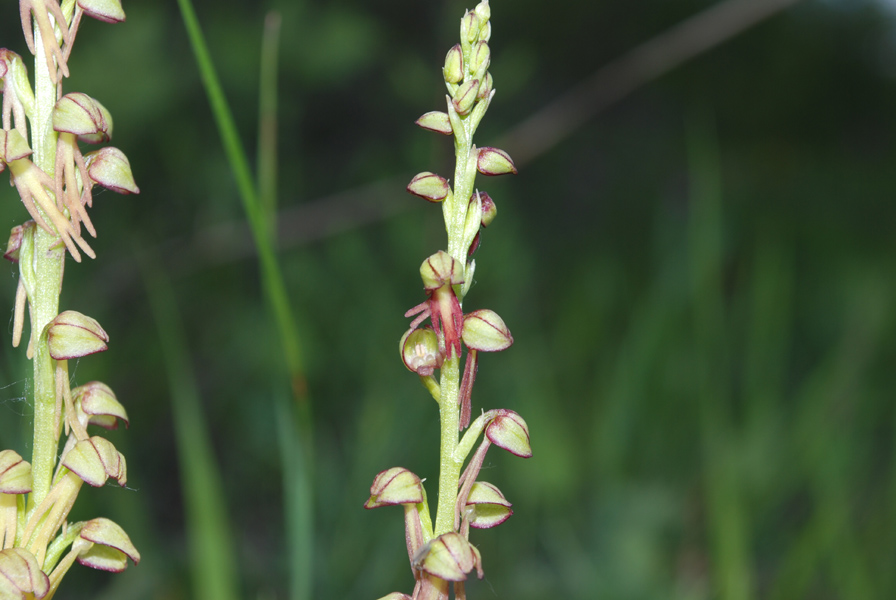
(440, 273)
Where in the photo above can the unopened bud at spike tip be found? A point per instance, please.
(481, 57)
(465, 96)
(453, 71)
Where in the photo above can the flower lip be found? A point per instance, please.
(420, 351)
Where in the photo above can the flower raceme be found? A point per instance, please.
(54, 181)
(440, 553)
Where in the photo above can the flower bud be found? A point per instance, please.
(73, 335)
(98, 401)
(395, 486)
(485, 33)
(487, 506)
(111, 546)
(493, 161)
(489, 210)
(16, 235)
(453, 71)
(420, 351)
(20, 575)
(15, 473)
(487, 87)
(396, 596)
(465, 96)
(94, 460)
(429, 186)
(439, 269)
(485, 331)
(450, 557)
(110, 168)
(14, 81)
(508, 430)
(84, 117)
(107, 11)
(481, 58)
(436, 121)
(469, 27)
(12, 147)
(484, 11)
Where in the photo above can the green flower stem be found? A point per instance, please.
(449, 466)
(455, 211)
(48, 264)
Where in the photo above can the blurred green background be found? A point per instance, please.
(699, 279)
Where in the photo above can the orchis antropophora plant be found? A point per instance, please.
(54, 181)
(442, 553)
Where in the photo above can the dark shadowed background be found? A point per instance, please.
(699, 278)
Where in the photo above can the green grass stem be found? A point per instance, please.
(212, 549)
(727, 518)
(259, 204)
